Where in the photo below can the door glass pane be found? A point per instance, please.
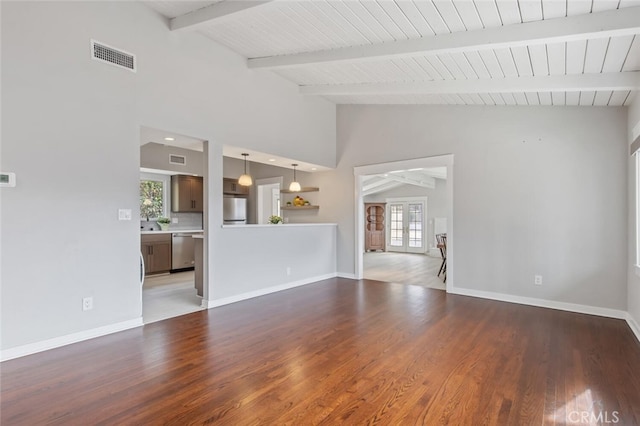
(396, 226)
(415, 225)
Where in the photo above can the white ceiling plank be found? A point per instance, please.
(602, 97)
(557, 60)
(629, 99)
(530, 10)
(477, 100)
(522, 60)
(617, 53)
(558, 98)
(632, 62)
(464, 65)
(478, 64)
(429, 69)
(492, 64)
(539, 60)
(532, 98)
(509, 11)
(578, 7)
(469, 15)
(596, 26)
(409, 71)
(576, 52)
(200, 17)
(596, 51)
(488, 100)
(367, 19)
(583, 82)
(452, 66)
(618, 97)
(587, 97)
(449, 15)
(545, 98)
(466, 99)
(554, 9)
(520, 99)
(413, 179)
(507, 65)
(439, 66)
(415, 17)
(497, 99)
(383, 18)
(341, 26)
(353, 19)
(509, 99)
(488, 12)
(433, 17)
(400, 19)
(572, 98)
(449, 99)
(601, 5)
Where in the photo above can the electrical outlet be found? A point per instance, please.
(288, 270)
(174, 220)
(87, 303)
(537, 279)
(124, 214)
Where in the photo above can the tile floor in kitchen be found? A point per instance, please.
(169, 295)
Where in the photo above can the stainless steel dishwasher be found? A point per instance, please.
(183, 252)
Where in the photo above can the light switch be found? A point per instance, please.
(7, 179)
(124, 214)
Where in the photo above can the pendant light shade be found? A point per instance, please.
(295, 185)
(245, 179)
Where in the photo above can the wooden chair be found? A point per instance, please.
(442, 245)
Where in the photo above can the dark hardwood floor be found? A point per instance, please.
(339, 352)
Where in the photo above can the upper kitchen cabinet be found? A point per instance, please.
(186, 193)
(232, 187)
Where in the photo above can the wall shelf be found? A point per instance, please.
(299, 207)
(305, 189)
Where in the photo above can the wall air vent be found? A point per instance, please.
(177, 159)
(103, 53)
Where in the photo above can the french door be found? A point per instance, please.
(406, 229)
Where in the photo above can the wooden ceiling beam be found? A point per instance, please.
(610, 23)
(197, 18)
(548, 83)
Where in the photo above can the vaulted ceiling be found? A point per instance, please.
(461, 52)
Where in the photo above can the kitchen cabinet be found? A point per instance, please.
(374, 226)
(187, 193)
(232, 187)
(156, 252)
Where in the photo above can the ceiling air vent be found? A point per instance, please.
(102, 52)
(177, 159)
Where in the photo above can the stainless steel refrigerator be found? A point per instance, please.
(234, 211)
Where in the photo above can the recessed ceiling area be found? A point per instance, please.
(148, 134)
(446, 52)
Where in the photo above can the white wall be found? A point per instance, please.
(633, 285)
(537, 190)
(71, 129)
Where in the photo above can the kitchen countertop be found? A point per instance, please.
(171, 231)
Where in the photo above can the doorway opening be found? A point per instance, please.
(172, 182)
(268, 203)
(413, 201)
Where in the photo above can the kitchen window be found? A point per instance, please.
(153, 196)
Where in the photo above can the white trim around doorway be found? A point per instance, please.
(361, 171)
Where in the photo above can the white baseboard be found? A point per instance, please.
(633, 324)
(56, 342)
(208, 304)
(552, 304)
(346, 275)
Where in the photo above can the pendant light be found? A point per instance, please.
(295, 185)
(245, 179)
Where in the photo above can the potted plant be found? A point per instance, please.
(164, 223)
(275, 220)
